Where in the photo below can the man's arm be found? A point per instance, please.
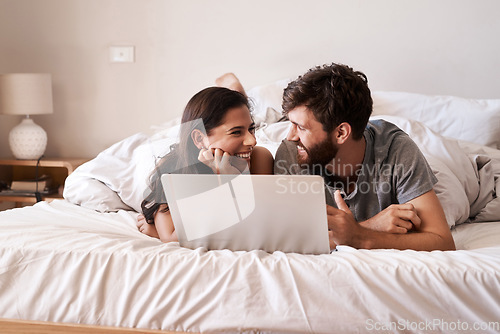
(432, 234)
(396, 218)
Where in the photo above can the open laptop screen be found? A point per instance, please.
(245, 212)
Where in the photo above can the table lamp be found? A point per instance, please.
(26, 94)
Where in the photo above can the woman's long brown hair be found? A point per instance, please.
(210, 105)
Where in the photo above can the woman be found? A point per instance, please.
(217, 136)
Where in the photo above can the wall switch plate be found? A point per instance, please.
(121, 54)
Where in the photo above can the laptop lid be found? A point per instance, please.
(245, 212)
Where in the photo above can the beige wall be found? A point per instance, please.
(426, 46)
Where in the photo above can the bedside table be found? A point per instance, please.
(57, 168)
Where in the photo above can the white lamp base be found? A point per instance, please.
(28, 140)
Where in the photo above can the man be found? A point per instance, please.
(379, 186)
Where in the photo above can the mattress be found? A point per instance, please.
(65, 263)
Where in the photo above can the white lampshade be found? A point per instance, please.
(26, 94)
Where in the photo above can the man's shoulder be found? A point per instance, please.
(381, 127)
(285, 161)
(387, 135)
(390, 144)
(287, 150)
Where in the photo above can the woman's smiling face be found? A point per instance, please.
(236, 134)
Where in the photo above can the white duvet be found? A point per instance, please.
(62, 262)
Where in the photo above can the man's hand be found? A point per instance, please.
(343, 228)
(396, 218)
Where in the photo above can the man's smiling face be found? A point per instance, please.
(314, 145)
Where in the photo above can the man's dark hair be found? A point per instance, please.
(334, 94)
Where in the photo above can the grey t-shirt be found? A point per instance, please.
(393, 171)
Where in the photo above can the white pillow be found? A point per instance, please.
(266, 100)
(471, 120)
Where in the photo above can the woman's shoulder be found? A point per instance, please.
(261, 152)
(261, 161)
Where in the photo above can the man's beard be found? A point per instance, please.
(320, 154)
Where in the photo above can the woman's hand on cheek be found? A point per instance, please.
(207, 157)
(218, 161)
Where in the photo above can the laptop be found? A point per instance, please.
(246, 212)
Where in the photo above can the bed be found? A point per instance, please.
(82, 261)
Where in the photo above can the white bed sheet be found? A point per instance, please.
(62, 262)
